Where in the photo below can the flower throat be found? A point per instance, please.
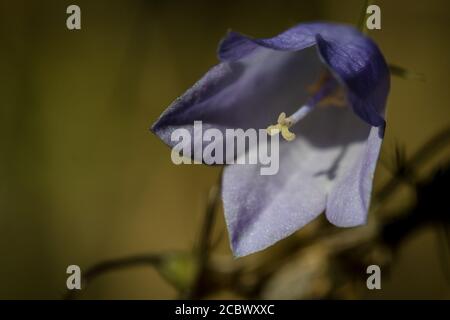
(323, 92)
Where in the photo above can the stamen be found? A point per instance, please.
(283, 123)
(322, 92)
(300, 113)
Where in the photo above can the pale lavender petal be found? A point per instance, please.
(260, 210)
(348, 202)
(250, 93)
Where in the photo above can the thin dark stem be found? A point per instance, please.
(203, 249)
(114, 265)
(362, 18)
(444, 243)
(403, 73)
(202, 252)
(428, 150)
(208, 223)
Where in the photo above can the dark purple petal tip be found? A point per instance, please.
(350, 55)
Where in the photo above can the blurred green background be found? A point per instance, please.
(81, 177)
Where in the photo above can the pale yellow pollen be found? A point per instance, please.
(283, 125)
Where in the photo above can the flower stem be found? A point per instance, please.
(113, 265)
(203, 249)
(428, 150)
(362, 26)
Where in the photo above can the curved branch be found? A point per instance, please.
(113, 265)
(422, 155)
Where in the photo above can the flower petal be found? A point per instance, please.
(351, 56)
(249, 93)
(348, 202)
(363, 71)
(260, 210)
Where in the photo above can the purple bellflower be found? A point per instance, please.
(327, 84)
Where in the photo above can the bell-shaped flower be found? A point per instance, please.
(323, 87)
